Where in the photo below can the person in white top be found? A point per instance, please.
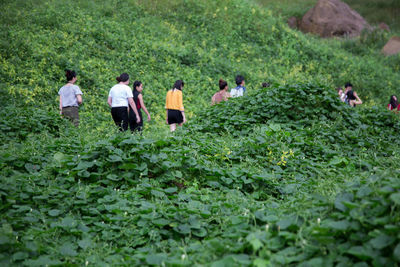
(70, 98)
(239, 90)
(341, 94)
(119, 98)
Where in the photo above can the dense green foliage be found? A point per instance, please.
(374, 11)
(287, 175)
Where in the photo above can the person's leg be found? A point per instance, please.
(75, 116)
(132, 120)
(116, 115)
(125, 119)
(72, 114)
(172, 127)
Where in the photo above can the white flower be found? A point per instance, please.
(266, 227)
(318, 220)
(183, 256)
(86, 263)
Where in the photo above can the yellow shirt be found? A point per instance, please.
(174, 100)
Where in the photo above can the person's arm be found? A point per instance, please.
(79, 99)
(213, 100)
(180, 102)
(60, 105)
(144, 107)
(166, 115)
(109, 101)
(358, 100)
(133, 106)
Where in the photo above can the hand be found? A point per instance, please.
(166, 121)
(184, 120)
(137, 119)
(148, 117)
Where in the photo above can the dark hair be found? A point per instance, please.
(178, 85)
(265, 85)
(347, 85)
(70, 74)
(222, 84)
(123, 77)
(393, 103)
(350, 95)
(338, 89)
(136, 84)
(239, 79)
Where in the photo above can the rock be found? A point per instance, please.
(293, 23)
(384, 26)
(392, 47)
(330, 18)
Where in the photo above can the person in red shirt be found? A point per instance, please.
(393, 104)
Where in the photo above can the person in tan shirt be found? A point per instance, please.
(174, 106)
(223, 93)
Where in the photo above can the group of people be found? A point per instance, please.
(349, 96)
(127, 104)
(239, 90)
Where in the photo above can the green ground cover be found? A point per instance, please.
(287, 175)
(374, 11)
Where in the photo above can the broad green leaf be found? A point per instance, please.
(54, 212)
(156, 259)
(43, 260)
(170, 190)
(68, 222)
(395, 198)
(338, 225)
(396, 252)
(161, 222)
(256, 244)
(228, 261)
(85, 243)
(68, 249)
(201, 232)
(343, 197)
(260, 262)
(114, 158)
(20, 256)
(183, 229)
(382, 241)
(360, 252)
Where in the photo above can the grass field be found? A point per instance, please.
(374, 11)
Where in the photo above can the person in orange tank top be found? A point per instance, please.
(174, 106)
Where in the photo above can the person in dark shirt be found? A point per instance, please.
(393, 103)
(138, 99)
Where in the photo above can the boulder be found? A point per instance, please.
(392, 47)
(293, 23)
(330, 18)
(383, 26)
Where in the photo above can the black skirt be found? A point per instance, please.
(174, 116)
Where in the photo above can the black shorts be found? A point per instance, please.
(174, 116)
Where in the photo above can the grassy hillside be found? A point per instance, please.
(287, 175)
(374, 11)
